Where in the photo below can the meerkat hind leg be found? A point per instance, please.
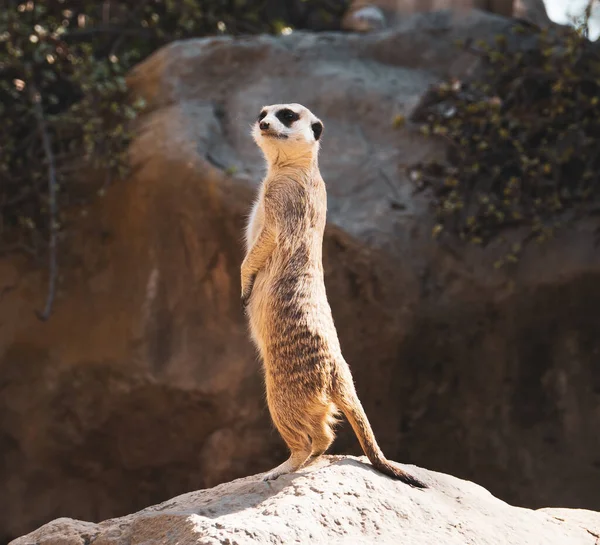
(322, 436)
(321, 444)
(300, 446)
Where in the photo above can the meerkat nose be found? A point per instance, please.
(264, 125)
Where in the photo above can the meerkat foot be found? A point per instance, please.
(274, 474)
(292, 464)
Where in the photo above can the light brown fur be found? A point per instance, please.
(307, 379)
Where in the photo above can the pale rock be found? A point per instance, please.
(335, 501)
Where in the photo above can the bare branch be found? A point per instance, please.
(53, 227)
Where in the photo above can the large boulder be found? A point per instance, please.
(532, 10)
(144, 384)
(334, 501)
(366, 15)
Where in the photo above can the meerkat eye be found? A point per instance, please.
(287, 116)
(262, 115)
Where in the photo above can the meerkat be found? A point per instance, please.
(308, 382)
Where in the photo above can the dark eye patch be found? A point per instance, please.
(287, 116)
(262, 115)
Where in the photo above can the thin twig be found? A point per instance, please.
(106, 12)
(118, 41)
(587, 14)
(391, 185)
(52, 265)
(107, 29)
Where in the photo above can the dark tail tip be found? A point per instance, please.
(412, 481)
(397, 473)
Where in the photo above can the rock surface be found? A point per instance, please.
(532, 10)
(333, 502)
(368, 15)
(144, 384)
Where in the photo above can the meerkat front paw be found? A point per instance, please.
(247, 290)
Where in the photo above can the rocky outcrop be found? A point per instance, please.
(144, 384)
(369, 15)
(334, 501)
(531, 10)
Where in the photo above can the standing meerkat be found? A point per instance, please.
(283, 290)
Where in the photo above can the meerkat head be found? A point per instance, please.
(285, 132)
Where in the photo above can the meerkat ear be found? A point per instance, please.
(317, 129)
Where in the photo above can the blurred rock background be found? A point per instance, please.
(126, 171)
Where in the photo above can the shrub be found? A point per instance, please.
(523, 139)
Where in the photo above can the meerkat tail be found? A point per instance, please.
(351, 406)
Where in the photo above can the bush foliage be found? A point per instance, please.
(63, 95)
(523, 138)
(523, 133)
